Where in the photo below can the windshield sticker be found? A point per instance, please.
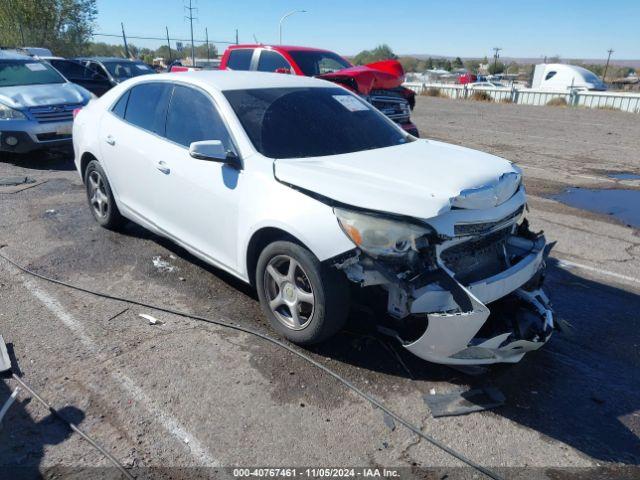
(143, 67)
(351, 103)
(35, 67)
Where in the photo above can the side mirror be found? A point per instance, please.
(213, 150)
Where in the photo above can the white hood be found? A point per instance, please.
(25, 96)
(420, 179)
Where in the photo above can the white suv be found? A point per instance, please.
(301, 188)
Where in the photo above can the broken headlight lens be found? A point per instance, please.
(379, 236)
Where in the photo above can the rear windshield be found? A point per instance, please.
(317, 63)
(311, 122)
(123, 70)
(27, 72)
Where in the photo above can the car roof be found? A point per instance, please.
(107, 59)
(237, 80)
(284, 48)
(13, 55)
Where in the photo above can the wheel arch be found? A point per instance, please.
(259, 240)
(84, 162)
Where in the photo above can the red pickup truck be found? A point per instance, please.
(380, 83)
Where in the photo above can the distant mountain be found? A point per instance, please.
(593, 61)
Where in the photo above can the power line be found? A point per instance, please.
(160, 38)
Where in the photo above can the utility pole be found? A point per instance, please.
(237, 36)
(22, 35)
(124, 37)
(496, 54)
(191, 18)
(168, 43)
(206, 33)
(606, 67)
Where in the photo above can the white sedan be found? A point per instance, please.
(304, 190)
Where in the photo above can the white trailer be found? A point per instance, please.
(562, 77)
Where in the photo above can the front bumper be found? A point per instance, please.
(496, 315)
(451, 338)
(31, 135)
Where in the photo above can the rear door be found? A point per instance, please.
(133, 149)
(241, 59)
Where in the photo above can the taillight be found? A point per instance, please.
(76, 111)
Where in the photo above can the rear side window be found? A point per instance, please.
(271, 61)
(147, 106)
(192, 117)
(121, 105)
(240, 59)
(550, 75)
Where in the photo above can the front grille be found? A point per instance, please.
(465, 229)
(396, 108)
(54, 113)
(475, 260)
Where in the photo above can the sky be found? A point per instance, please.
(465, 28)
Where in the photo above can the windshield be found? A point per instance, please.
(123, 70)
(27, 72)
(311, 122)
(317, 63)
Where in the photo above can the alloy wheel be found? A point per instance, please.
(98, 194)
(289, 292)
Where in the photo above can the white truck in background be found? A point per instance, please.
(559, 76)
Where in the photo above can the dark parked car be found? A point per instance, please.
(96, 82)
(116, 69)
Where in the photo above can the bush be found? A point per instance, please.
(506, 100)
(481, 96)
(557, 102)
(432, 92)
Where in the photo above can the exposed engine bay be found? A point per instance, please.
(475, 298)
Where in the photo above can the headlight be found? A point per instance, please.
(379, 236)
(7, 113)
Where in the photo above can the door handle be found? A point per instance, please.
(162, 166)
(110, 140)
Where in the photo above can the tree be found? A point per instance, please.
(63, 26)
(409, 64)
(457, 63)
(381, 52)
(429, 63)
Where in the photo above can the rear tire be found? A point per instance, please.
(101, 202)
(304, 300)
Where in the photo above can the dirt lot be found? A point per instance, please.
(186, 394)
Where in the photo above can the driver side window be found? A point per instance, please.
(271, 61)
(192, 117)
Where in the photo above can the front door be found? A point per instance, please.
(198, 199)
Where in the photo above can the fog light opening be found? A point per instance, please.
(11, 141)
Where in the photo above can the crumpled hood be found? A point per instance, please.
(25, 96)
(381, 75)
(420, 179)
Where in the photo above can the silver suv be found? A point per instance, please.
(36, 104)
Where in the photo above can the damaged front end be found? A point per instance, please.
(474, 297)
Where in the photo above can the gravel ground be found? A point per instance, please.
(184, 394)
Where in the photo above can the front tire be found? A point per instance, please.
(101, 202)
(305, 301)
